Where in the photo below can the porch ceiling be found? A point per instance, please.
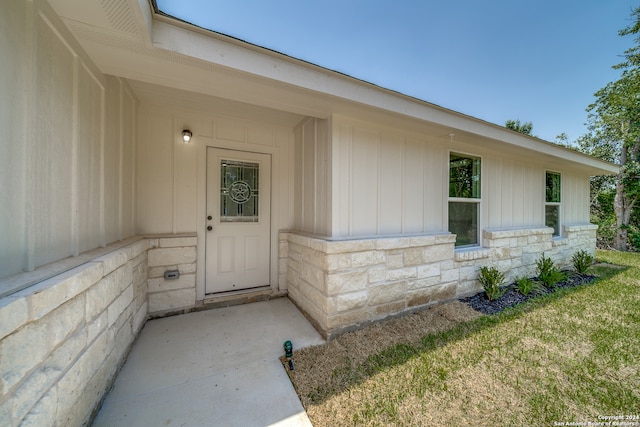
(175, 59)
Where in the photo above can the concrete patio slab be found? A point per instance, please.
(217, 367)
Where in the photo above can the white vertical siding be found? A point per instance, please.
(312, 167)
(169, 172)
(391, 182)
(67, 164)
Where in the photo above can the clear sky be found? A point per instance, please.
(535, 60)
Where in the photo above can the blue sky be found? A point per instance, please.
(536, 60)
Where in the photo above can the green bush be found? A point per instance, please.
(548, 273)
(581, 261)
(526, 285)
(491, 279)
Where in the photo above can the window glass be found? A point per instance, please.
(464, 183)
(553, 187)
(239, 191)
(463, 222)
(552, 218)
(464, 176)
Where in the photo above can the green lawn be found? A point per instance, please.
(568, 357)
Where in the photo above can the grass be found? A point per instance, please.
(565, 357)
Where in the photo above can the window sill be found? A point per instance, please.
(471, 253)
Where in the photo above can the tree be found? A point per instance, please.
(614, 134)
(515, 125)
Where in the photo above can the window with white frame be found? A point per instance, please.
(464, 198)
(552, 202)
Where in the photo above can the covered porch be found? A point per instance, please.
(213, 367)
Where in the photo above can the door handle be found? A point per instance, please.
(210, 227)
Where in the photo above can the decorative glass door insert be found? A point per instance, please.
(239, 191)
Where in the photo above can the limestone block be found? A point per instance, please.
(388, 308)
(161, 285)
(449, 275)
(438, 253)
(113, 260)
(97, 326)
(177, 242)
(153, 243)
(22, 351)
(118, 306)
(346, 282)
(43, 411)
(447, 265)
(283, 249)
(14, 312)
(502, 252)
(344, 246)
(394, 260)
(445, 239)
(314, 276)
(431, 294)
(414, 256)
(31, 390)
(172, 256)
(73, 383)
(428, 270)
(348, 318)
(387, 293)
(469, 273)
(101, 295)
(469, 287)
(140, 318)
(66, 319)
(376, 274)
(367, 258)
(316, 298)
(401, 273)
(423, 283)
(351, 300)
(299, 240)
(51, 293)
(171, 300)
(422, 241)
(393, 243)
(515, 252)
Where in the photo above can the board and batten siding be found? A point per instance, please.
(388, 182)
(171, 183)
(67, 163)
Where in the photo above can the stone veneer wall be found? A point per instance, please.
(172, 253)
(63, 339)
(342, 285)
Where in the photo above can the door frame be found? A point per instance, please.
(204, 142)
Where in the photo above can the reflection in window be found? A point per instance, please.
(552, 202)
(464, 198)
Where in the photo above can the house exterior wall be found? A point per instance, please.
(386, 181)
(343, 285)
(63, 340)
(67, 165)
(171, 176)
(387, 248)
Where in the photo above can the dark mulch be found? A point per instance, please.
(512, 297)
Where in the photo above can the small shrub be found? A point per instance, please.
(491, 279)
(526, 285)
(548, 273)
(581, 261)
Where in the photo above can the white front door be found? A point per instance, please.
(238, 220)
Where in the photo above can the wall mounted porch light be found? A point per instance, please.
(186, 136)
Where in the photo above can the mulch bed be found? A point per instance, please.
(511, 297)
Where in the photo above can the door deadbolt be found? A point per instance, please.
(209, 217)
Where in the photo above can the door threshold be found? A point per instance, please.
(244, 296)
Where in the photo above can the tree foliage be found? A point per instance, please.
(525, 128)
(614, 135)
